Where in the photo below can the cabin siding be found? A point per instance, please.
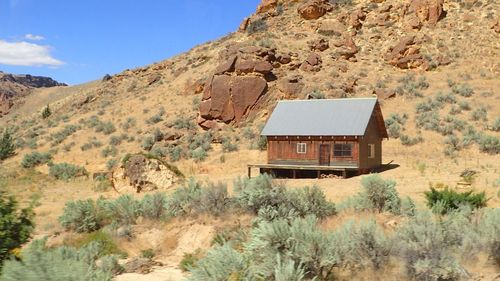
(372, 136)
(283, 150)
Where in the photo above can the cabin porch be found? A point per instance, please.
(295, 171)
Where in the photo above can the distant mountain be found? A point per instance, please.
(14, 86)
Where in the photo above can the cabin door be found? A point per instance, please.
(324, 154)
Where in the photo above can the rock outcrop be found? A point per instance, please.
(15, 86)
(405, 54)
(237, 84)
(421, 12)
(140, 173)
(314, 9)
(266, 5)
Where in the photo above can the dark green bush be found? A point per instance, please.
(442, 201)
(7, 148)
(16, 226)
(381, 193)
(46, 112)
(66, 171)
(36, 158)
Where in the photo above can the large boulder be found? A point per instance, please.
(266, 5)
(230, 97)
(140, 173)
(427, 11)
(314, 9)
(291, 86)
(406, 55)
(312, 63)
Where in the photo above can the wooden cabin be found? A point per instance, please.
(315, 137)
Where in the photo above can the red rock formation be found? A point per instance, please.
(314, 9)
(266, 5)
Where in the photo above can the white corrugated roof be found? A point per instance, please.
(321, 117)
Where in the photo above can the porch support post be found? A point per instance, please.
(249, 172)
(319, 174)
(294, 173)
(344, 173)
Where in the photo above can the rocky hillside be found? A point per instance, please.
(439, 56)
(16, 86)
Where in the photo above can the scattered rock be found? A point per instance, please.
(348, 49)
(244, 24)
(405, 55)
(356, 17)
(140, 265)
(284, 58)
(318, 45)
(249, 66)
(384, 94)
(314, 9)
(227, 66)
(427, 11)
(332, 27)
(495, 26)
(153, 78)
(266, 5)
(291, 86)
(312, 63)
(106, 77)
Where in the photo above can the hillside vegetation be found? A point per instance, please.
(432, 216)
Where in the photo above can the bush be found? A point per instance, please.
(489, 232)
(424, 245)
(465, 90)
(409, 141)
(183, 123)
(154, 206)
(61, 135)
(495, 126)
(16, 226)
(214, 199)
(64, 263)
(35, 158)
(106, 128)
(81, 216)
(489, 144)
(7, 148)
(124, 210)
(480, 114)
(228, 146)
(66, 171)
(270, 202)
(442, 201)
(46, 112)
(109, 151)
(256, 26)
(381, 193)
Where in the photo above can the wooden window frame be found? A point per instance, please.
(371, 150)
(301, 148)
(343, 150)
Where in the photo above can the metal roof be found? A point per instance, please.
(322, 117)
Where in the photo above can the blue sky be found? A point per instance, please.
(75, 41)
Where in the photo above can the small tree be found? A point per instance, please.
(15, 226)
(46, 112)
(7, 147)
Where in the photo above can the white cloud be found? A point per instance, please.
(26, 54)
(33, 37)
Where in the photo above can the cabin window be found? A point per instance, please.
(301, 147)
(371, 150)
(342, 150)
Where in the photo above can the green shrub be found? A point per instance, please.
(81, 216)
(227, 145)
(464, 105)
(66, 171)
(109, 151)
(479, 114)
(36, 158)
(256, 26)
(40, 262)
(61, 135)
(495, 126)
(148, 143)
(381, 193)
(489, 232)
(189, 261)
(489, 144)
(46, 112)
(16, 226)
(154, 206)
(199, 154)
(465, 90)
(148, 253)
(270, 202)
(409, 141)
(262, 143)
(124, 210)
(183, 123)
(424, 245)
(214, 199)
(7, 148)
(448, 199)
(106, 128)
